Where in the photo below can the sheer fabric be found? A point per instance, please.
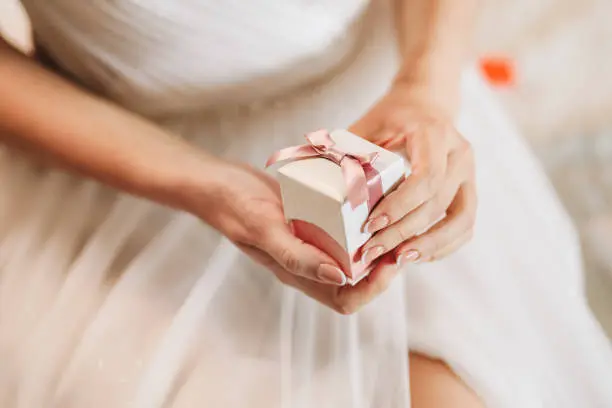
(107, 300)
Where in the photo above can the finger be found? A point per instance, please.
(394, 139)
(322, 293)
(350, 299)
(267, 261)
(459, 220)
(365, 128)
(391, 138)
(301, 259)
(429, 160)
(423, 217)
(412, 225)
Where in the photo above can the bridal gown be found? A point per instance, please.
(107, 300)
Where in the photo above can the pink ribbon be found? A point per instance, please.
(362, 179)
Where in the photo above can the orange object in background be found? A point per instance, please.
(499, 71)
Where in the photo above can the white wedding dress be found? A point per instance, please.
(107, 300)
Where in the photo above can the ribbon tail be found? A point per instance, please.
(291, 154)
(375, 188)
(356, 182)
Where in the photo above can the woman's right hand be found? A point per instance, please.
(246, 207)
(124, 151)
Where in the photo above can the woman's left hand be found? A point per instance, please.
(432, 212)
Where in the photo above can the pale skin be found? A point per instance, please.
(69, 127)
(416, 117)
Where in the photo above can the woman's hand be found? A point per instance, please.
(89, 135)
(432, 212)
(246, 207)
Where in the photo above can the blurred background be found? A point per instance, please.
(561, 98)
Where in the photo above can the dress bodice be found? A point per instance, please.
(156, 56)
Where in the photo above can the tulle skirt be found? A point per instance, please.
(107, 300)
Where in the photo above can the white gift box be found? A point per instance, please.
(314, 194)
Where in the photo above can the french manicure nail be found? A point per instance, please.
(371, 254)
(331, 274)
(407, 257)
(376, 224)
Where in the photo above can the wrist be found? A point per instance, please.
(432, 78)
(193, 183)
(434, 98)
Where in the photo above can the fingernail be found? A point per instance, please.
(376, 224)
(371, 254)
(407, 257)
(331, 274)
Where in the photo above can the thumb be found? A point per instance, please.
(302, 259)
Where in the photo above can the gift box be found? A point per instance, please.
(329, 186)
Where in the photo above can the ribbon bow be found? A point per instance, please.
(362, 179)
